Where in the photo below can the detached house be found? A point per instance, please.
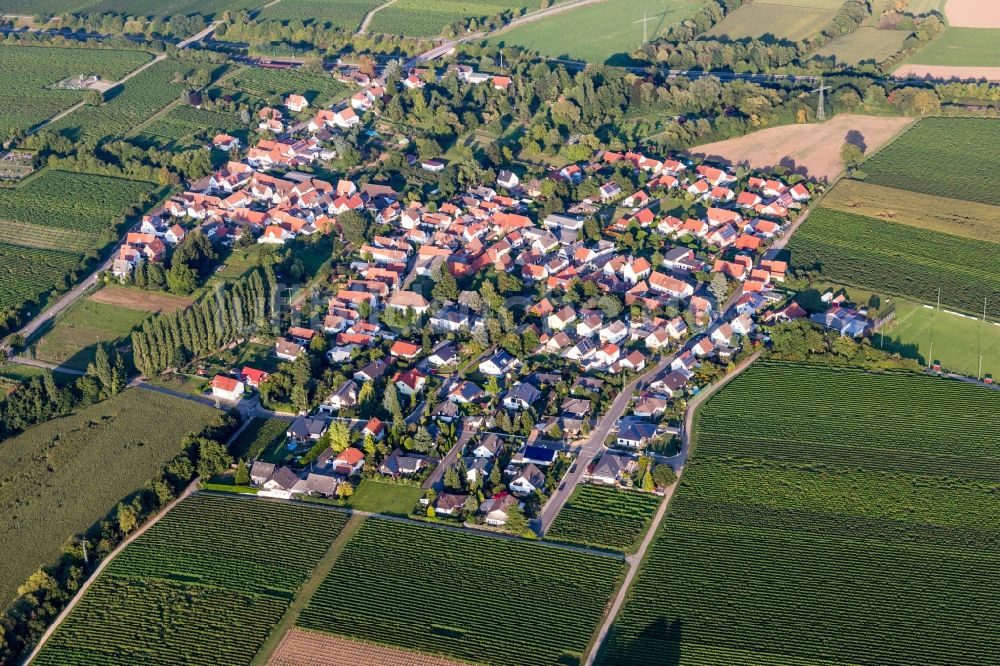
(521, 396)
(527, 480)
(227, 388)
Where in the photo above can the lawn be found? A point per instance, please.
(605, 517)
(783, 22)
(389, 498)
(27, 96)
(613, 29)
(958, 340)
(459, 586)
(864, 45)
(900, 260)
(951, 216)
(962, 47)
(73, 338)
(852, 523)
(344, 14)
(174, 596)
(58, 478)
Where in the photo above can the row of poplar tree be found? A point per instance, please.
(170, 340)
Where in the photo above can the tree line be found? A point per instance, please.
(229, 314)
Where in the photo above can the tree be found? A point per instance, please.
(339, 436)
(451, 480)
(355, 227)
(212, 458)
(127, 518)
(719, 287)
(391, 404)
(610, 306)
(94, 98)
(851, 155)
(423, 442)
(181, 279)
(242, 477)
(663, 475)
(345, 490)
(446, 288)
(517, 523)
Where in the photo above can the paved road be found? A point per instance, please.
(104, 563)
(67, 299)
(34, 362)
(593, 446)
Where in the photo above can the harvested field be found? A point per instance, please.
(973, 13)
(812, 149)
(947, 72)
(951, 216)
(136, 299)
(305, 648)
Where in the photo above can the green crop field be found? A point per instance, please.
(73, 338)
(27, 96)
(174, 596)
(958, 341)
(784, 22)
(33, 7)
(962, 47)
(899, 259)
(950, 216)
(59, 478)
(605, 517)
(852, 520)
(321, 90)
(864, 45)
(258, 437)
(948, 157)
(611, 29)
(344, 14)
(428, 18)
(457, 586)
(183, 123)
(128, 106)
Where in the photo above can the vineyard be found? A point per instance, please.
(899, 259)
(27, 273)
(852, 520)
(947, 157)
(428, 18)
(174, 596)
(128, 106)
(27, 97)
(604, 517)
(183, 123)
(258, 437)
(450, 599)
(207, 8)
(55, 480)
(344, 14)
(320, 90)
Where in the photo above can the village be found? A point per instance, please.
(476, 345)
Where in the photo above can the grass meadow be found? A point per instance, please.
(962, 47)
(790, 22)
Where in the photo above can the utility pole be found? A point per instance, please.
(979, 375)
(821, 108)
(933, 316)
(86, 560)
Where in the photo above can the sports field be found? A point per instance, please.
(854, 522)
(951, 216)
(792, 22)
(613, 29)
(863, 45)
(956, 341)
(59, 478)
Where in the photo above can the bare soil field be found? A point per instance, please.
(947, 72)
(973, 13)
(951, 216)
(811, 149)
(135, 299)
(305, 648)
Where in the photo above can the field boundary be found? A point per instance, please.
(192, 487)
(308, 589)
(366, 21)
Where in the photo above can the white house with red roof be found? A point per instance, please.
(226, 388)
